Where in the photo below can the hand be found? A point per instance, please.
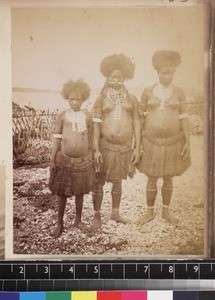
(52, 166)
(185, 153)
(98, 161)
(135, 156)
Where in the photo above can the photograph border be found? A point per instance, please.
(6, 109)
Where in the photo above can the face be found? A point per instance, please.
(166, 75)
(116, 79)
(75, 101)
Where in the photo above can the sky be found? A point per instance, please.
(53, 45)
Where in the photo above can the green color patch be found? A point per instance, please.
(58, 296)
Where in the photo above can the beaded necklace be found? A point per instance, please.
(117, 98)
(163, 93)
(78, 120)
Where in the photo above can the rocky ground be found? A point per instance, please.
(35, 215)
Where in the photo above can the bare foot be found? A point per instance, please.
(149, 216)
(169, 218)
(118, 218)
(78, 224)
(96, 223)
(59, 229)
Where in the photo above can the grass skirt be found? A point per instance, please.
(73, 176)
(162, 156)
(117, 163)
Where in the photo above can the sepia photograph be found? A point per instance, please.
(2, 212)
(108, 132)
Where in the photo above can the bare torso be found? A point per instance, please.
(117, 131)
(74, 143)
(162, 123)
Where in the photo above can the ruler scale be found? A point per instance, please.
(65, 275)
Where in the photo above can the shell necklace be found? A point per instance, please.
(163, 93)
(117, 98)
(78, 120)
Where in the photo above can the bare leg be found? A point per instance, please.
(61, 208)
(151, 193)
(79, 199)
(116, 199)
(167, 194)
(97, 203)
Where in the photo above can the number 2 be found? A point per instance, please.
(21, 270)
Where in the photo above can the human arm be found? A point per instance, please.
(97, 120)
(143, 107)
(185, 125)
(57, 137)
(137, 134)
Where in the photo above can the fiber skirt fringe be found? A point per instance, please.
(72, 176)
(117, 163)
(162, 156)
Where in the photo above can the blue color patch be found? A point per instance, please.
(32, 296)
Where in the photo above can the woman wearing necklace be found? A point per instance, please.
(116, 122)
(165, 137)
(71, 170)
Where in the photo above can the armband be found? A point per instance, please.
(57, 136)
(97, 120)
(182, 116)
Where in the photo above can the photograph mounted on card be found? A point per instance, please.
(109, 132)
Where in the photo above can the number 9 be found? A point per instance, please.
(196, 269)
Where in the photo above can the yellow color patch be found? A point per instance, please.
(84, 296)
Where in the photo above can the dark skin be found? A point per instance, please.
(117, 131)
(73, 144)
(166, 75)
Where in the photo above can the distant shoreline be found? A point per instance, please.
(32, 90)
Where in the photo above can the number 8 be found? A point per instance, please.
(170, 269)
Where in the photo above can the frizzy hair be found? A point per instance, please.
(165, 58)
(117, 62)
(76, 86)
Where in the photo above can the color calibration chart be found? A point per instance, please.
(112, 295)
(114, 280)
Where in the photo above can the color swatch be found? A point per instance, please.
(110, 295)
